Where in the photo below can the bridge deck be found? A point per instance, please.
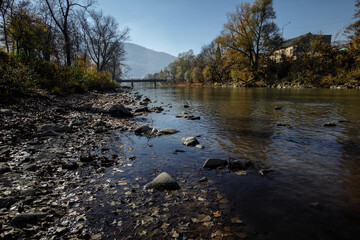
(140, 80)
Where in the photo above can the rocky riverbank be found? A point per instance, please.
(54, 159)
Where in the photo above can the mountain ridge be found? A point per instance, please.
(143, 61)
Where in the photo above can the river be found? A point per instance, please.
(313, 188)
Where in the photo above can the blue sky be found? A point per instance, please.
(175, 26)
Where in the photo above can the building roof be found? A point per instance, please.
(303, 39)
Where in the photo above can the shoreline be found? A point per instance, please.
(278, 86)
(55, 157)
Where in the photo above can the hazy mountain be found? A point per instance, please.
(143, 61)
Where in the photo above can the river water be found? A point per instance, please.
(313, 188)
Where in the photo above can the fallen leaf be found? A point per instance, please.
(175, 235)
(204, 218)
(217, 214)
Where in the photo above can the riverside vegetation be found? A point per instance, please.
(241, 55)
(62, 47)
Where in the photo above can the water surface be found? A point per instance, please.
(313, 191)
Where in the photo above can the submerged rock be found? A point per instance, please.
(283, 125)
(187, 116)
(329, 124)
(240, 164)
(163, 182)
(277, 108)
(190, 141)
(214, 163)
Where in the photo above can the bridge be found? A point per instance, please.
(132, 81)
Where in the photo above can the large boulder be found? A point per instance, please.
(190, 141)
(119, 111)
(163, 182)
(214, 163)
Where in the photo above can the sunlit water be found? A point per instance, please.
(313, 191)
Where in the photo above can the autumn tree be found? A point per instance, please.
(27, 33)
(63, 13)
(251, 32)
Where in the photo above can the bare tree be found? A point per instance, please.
(61, 12)
(104, 41)
(6, 7)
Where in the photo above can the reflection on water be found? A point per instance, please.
(314, 191)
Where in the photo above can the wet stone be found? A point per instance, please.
(70, 166)
(190, 141)
(87, 158)
(163, 182)
(4, 168)
(7, 202)
(241, 164)
(119, 111)
(142, 110)
(168, 131)
(30, 218)
(212, 163)
(31, 167)
(203, 179)
(6, 112)
(329, 124)
(144, 129)
(283, 125)
(146, 99)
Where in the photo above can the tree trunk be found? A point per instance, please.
(67, 48)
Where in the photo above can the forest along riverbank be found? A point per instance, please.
(54, 153)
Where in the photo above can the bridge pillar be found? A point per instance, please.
(155, 84)
(132, 84)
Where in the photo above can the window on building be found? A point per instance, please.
(291, 52)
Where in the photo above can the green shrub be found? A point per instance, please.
(15, 78)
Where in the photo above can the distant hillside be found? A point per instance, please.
(143, 61)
